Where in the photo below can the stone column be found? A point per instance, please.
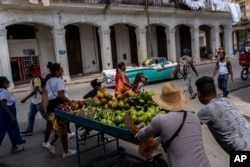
(228, 41)
(5, 67)
(45, 48)
(215, 38)
(104, 34)
(141, 44)
(195, 44)
(171, 47)
(61, 52)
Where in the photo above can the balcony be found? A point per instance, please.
(157, 7)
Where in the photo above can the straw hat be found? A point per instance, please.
(171, 98)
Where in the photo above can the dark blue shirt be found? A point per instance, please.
(91, 93)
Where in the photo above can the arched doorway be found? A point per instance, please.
(73, 49)
(23, 50)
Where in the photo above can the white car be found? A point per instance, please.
(158, 69)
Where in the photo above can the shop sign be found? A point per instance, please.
(61, 52)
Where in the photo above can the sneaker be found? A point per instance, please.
(69, 153)
(83, 138)
(71, 135)
(43, 145)
(50, 148)
(17, 149)
(26, 133)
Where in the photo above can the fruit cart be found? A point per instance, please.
(117, 133)
(244, 59)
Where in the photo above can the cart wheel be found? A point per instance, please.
(244, 73)
(178, 75)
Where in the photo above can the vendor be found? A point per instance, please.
(96, 84)
(186, 147)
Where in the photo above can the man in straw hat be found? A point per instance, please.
(186, 147)
(230, 129)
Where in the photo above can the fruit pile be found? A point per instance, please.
(118, 101)
(112, 110)
(71, 106)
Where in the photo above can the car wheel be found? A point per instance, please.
(178, 75)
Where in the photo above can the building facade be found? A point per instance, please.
(93, 35)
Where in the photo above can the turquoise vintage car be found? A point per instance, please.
(158, 69)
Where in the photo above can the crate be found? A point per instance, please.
(120, 133)
(244, 59)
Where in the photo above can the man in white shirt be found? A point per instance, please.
(224, 68)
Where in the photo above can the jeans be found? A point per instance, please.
(34, 108)
(187, 87)
(222, 84)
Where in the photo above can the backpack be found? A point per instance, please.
(43, 83)
(183, 66)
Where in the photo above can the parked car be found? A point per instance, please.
(158, 69)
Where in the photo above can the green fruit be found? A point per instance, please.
(121, 104)
(121, 126)
(119, 119)
(114, 105)
(127, 106)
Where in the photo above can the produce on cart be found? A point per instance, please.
(113, 115)
(112, 109)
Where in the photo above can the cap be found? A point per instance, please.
(96, 82)
(185, 51)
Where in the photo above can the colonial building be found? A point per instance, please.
(241, 30)
(88, 36)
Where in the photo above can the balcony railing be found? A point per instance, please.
(151, 3)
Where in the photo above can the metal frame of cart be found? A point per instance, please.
(102, 129)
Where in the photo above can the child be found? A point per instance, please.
(139, 83)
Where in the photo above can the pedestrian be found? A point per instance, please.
(179, 129)
(224, 69)
(122, 82)
(57, 94)
(8, 119)
(36, 104)
(230, 129)
(138, 85)
(185, 64)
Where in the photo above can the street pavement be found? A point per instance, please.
(36, 156)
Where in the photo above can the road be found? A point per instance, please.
(35, 156)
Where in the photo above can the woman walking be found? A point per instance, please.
(57, 94)
(8, 121)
